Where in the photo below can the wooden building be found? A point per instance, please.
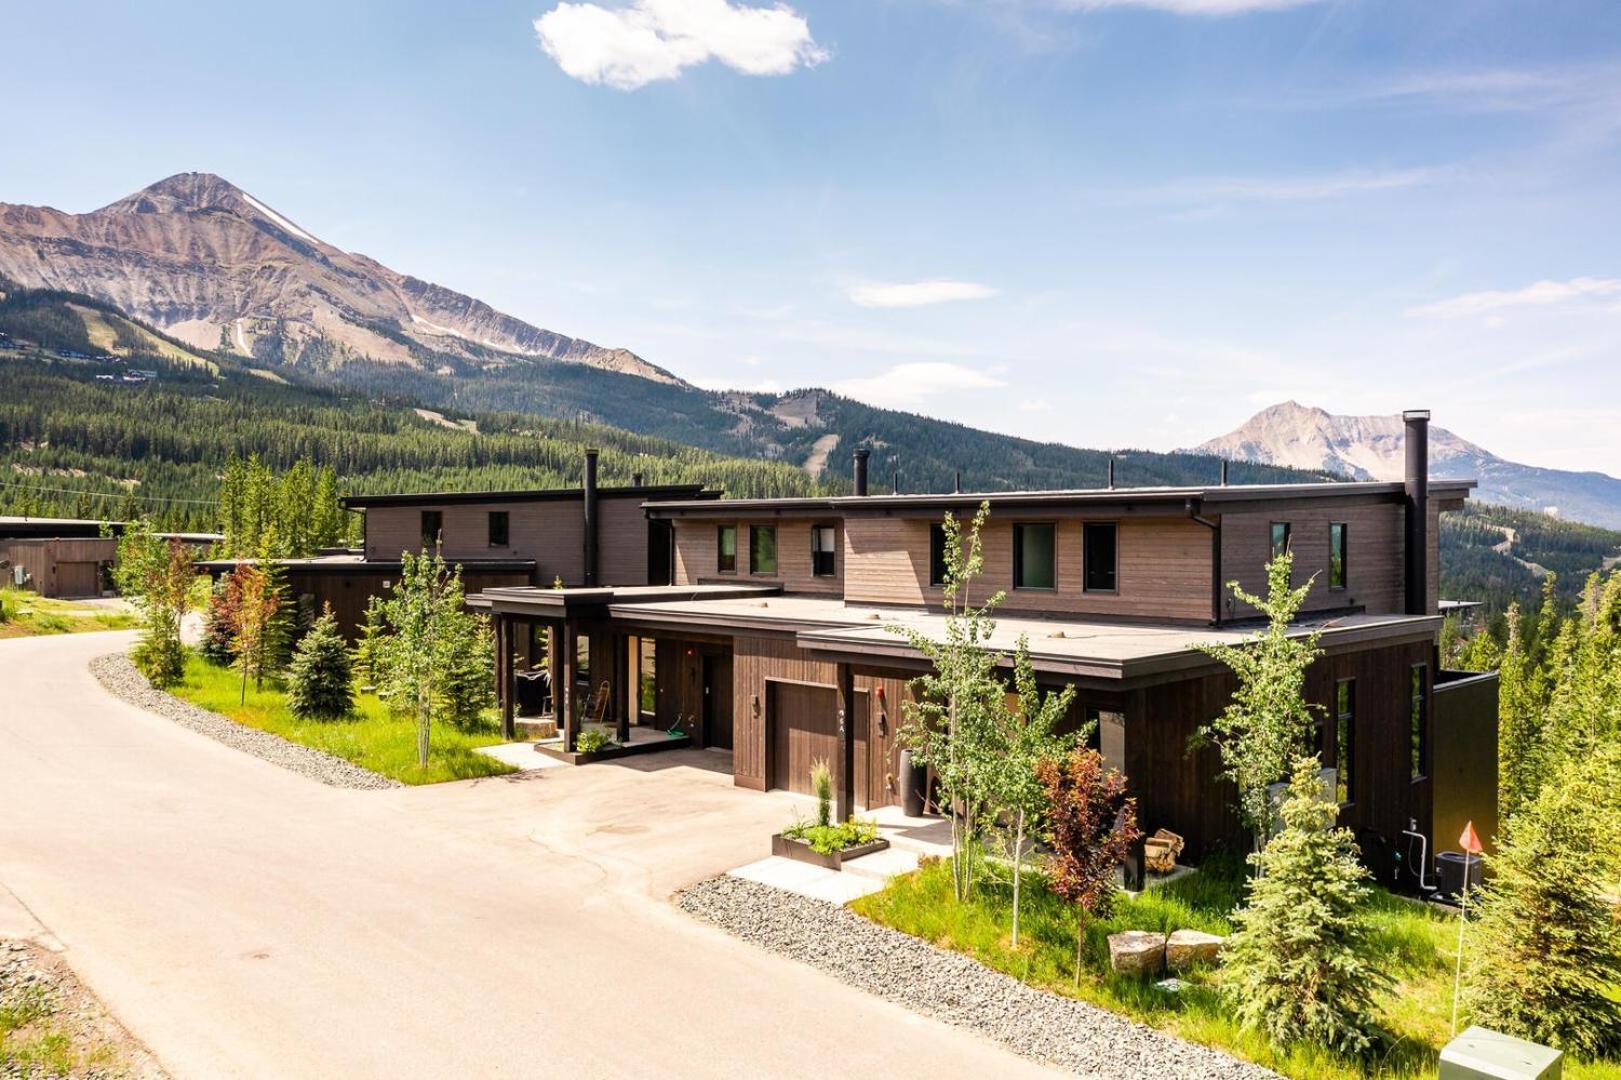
(779, 638)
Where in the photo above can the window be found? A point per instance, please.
(1098, 556)
(500, 529)
(824, 550)
(1418, 722)
(433, 528)
(1280, 538)
(1344, 740)
(1337, 545)
(762, 549)
(937, 554)
(726, 549)
(1034, 556)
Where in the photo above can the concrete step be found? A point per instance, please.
(882, 865)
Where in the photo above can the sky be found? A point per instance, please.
(1110, 223)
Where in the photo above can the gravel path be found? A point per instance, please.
(118, 675)
(1069, 1034)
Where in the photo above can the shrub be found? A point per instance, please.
(592, 739)
(1091, 823)
(160, 657)
(822, 783)
(825, 839)
(1547, 952)
(218, 628)
(1301, 966)
(319, 680)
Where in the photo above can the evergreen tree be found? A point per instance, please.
(1301, 965)
(1268, 722)
(320, 684)
(470, 673)
(219, 627)
(1545, 957)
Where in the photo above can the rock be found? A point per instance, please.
(1137, 952)
(1185, 948)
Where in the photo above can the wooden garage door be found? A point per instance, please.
(78, 579)
(803, 726)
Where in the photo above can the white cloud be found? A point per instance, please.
(1195, 7)
(1539, 294)
(650, 40)
(906, 386)
(916, 293)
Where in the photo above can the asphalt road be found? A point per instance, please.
(244, 921)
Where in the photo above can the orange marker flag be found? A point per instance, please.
(1469, 840)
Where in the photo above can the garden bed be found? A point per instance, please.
(614, 750)
(790, 847)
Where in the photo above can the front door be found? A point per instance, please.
(718, 701)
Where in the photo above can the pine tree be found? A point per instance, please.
(1301, 965)
(470, 672)
(218, 628)
(320, 683)
(1545, 958)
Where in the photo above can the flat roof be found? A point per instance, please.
(522, 599)
(341, 563)
(692, 493)
(1218, 498)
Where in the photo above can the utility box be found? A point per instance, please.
(1482, 1053)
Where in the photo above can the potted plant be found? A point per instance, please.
(822, 842)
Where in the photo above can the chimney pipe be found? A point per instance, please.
(957, 484)
(861, 455)
(1417, 533)
(1111, 474)
(1223, 472)
(635, 479)
(589, 491)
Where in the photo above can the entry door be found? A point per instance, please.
(718, 701)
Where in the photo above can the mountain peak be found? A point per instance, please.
(182, 192)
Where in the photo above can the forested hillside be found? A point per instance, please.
(1495, 555)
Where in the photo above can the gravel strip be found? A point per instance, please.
(1053, 1030)
(118, 675)
(48, 1004)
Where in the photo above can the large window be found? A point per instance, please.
(1418, 738)
(433, 528)
(762, 549)
(937, 554)
(1035, 553)
(1345, 741)
(1338, 544)
(1098, 556)
(726, 549)
(500, 529)
(824, 550)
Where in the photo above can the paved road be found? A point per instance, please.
(244, 921)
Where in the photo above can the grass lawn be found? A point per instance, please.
(374, 739)
(1420, 942)
(25, 614)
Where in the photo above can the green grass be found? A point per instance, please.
(27, 614)
(32, 1041)
(1419, 941)
(374, 739)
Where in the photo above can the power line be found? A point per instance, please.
(106, 494)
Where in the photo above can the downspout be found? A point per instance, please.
(1214, 525)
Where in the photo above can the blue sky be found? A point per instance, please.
(1120, 223)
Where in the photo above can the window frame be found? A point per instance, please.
(1343, 551)
(1418, 722)
(505, 518)
(776, 553)
(817, 529)
(1086, 558)
(436, 537)
(1344, 720)
(720, 548)
(1272, 539)
(1018, 555)
(937, 555)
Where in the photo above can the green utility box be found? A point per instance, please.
(1481, 1053)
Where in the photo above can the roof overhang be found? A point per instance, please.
(694, 493)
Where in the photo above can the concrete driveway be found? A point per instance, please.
(244, 921)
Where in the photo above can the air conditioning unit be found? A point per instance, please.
(19, 576)
(1450, 868)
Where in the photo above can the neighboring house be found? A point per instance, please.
(577, 536)
(66, 557)
(775, 639)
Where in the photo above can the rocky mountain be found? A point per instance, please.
(1370, 448)
(211, 265)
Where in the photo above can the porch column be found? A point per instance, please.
(503, 675)
(845, 769)
(554, 670)
(563, 696)
(621, 686)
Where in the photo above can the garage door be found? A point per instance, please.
(78, 579)
(804, 728)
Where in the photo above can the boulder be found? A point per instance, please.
(1185, 948)
(1137, 952)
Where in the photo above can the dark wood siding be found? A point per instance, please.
(695, 556)
(1373, 563)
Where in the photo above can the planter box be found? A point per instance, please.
(615, 750)
(800, 851)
